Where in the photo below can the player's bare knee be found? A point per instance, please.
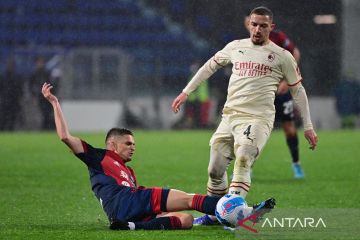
(186, 221)
(189, 200)
(290, 131)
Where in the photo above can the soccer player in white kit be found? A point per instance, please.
(248, 115)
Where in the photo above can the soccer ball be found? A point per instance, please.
(230, 209)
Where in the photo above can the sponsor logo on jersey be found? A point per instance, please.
(124, 175)
(251, 69)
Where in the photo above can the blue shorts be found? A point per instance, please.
(138, 204)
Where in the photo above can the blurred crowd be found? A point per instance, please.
(347, 97)
(22, 108)
(21, 105)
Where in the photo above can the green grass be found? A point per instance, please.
(45, 191)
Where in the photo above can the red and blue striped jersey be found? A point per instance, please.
(108, 172)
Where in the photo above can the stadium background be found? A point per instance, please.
(128, 59)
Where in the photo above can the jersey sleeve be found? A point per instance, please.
(91, 156)
(223, 57)
(219, 60)
(290, 69)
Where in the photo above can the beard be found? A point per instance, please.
(258, 41)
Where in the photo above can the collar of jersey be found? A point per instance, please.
(115, 156)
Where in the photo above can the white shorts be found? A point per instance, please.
(232, 133)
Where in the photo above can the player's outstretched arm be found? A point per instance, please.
(72, 142)
(299, 95)
(206, 71)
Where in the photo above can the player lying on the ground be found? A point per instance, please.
(127, 205)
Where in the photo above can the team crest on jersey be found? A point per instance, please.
(125, 183)
(271, 57)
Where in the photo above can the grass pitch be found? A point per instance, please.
(45, 191)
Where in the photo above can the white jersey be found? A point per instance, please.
(256, 73)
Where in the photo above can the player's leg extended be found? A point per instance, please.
(249, 141)
(140, 210)
(293, 145)
(163, 221)
(221, 153)
(186, 219)
(166, 221)
(241, 181)
(217, 184)
(164, 204)
(291, 139)
(178, 200)
(285, 114)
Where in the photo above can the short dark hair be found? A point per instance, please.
(113, 132)
(264, 11)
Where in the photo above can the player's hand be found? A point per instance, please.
(46, 91)
(178, 101)
(311, 137)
